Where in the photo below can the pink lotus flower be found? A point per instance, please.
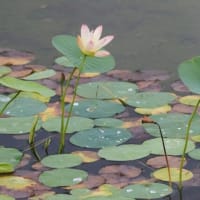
(90, 43)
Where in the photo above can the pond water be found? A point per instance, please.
(153, 34)
(148, 34)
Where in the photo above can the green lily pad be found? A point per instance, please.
(75, 124)
(173, 146)
(67, 45)
(4, 70)
(62, 177)
(195, 154)
(108, 122)
(124, 152)
(9, 159)
(4, 99)
(17, 125)
(150, 99)
(100, 137)
(22, 106)
(94, 108)
(28, 86)
(189, 73)
(6, 197)
(41, 75)
(107, 90)
(63, 61)
(147, 191)
(61, 197)
(173, 125)
(61, 160)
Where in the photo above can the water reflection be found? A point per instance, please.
(148, 34)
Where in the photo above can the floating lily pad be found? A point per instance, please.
(62, 177)
(147, 191)
(6, 197)
(28, 86)
(14, 57)
(16, 183)
(190, 100)
(17, 125)
(189, 72)
(9, 159)
(107, 90)
(22, 106)
(162, 174)
(61, 160)
(61, 197)
(40, 75)
(150, 99)
(173, 146)
(108, 122)
(75, 124)
(94, 108)
(153, 111)
(195, 154)
(124, 152)
(100, 137)
(4, 70)
(173, 125)
(67, 45)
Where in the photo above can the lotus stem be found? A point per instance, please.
(148, 120)
(64, 128)
(186, 144)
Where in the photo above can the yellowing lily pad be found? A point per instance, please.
(190, 100)
(196, 138)
(9, 159)
(162, 174)
(16, 182)
(153, 111)
(14, 57)
(87, 156)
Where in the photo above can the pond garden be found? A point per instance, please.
(84, 130)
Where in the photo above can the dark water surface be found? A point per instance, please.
(149, 34)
